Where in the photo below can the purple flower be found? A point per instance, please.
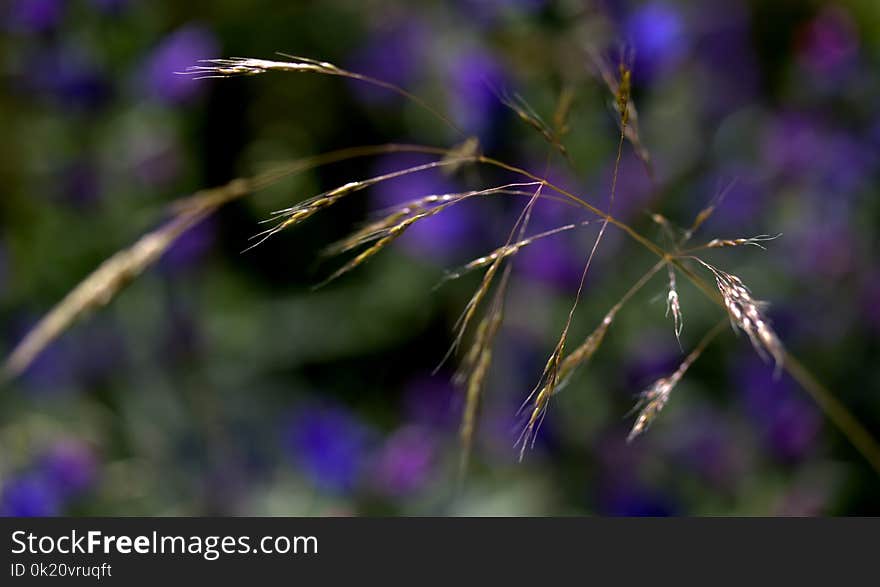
(794, 145)
(405, 461)
(789, 425)
(70, 468)
(176, 52)
(330, 446)
(626, 498)
(53, 370)
(29, 495)
(435, 237)
(657, 32)
(34, 16)
(78, 359)
(474, 79)
(829, 43)
(395, 54)
(553, 261)
(745, 198)
(826, 247)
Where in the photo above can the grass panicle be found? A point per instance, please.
(654, 398)
(745, 313)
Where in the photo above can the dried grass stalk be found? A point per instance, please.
(99, 287)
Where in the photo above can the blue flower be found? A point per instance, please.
(69, 467)
(30, 495)
(330, 446)
(405, 461)
(657, 33)
(474, 79)
(789, 425)
(34, 16)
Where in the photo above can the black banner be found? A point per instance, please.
(415, 550)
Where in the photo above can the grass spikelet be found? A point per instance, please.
(292, 216)
(755, 241)
(507, 251)
(389, 229)
(673, 304)
(532, 119)
(100, 287)
(248, 66)
(624, 107)
(654, 398)
(474, 370)
(747, 314)
(550, 377)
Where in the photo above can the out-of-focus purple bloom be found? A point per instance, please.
(179, 50)
(474, 80)
(190, 249)
(84, 357)
(789, 424)
(29, 495)
(628, 498)
(70, 468)
(330, 446)
(395, 54)
(435, 237)
(53, 370)
(739, 211)
(405, 461)
(847, 165)
(657, 32)
(432, 401)
(68, 77)
(825, 248)
(34, 16)
(828, 44)
(553, 261)
(794, 145)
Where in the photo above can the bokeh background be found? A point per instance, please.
(219, 383)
